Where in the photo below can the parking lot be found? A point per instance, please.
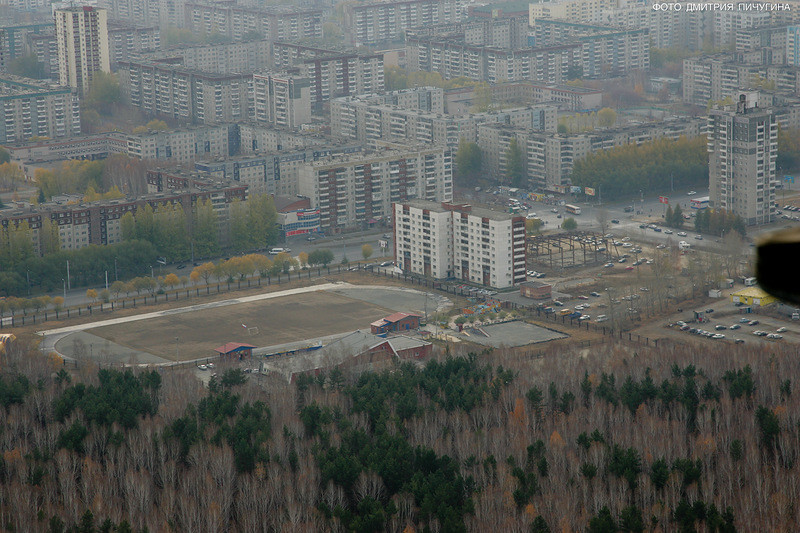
(511, 334)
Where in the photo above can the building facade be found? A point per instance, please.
(742, 149)
(237, 21)
(177, 92)
(368, 120)
(445, 240)
(126, 41)
(357, 192)
(281, 99)
(375, 22)
(82, 39)
(240, 57)
(331, 73)
(32, 108)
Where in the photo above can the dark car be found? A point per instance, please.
(180, 267)
(709, 310)
(614, 221)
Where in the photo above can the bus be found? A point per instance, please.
(573, 209)
(700, 203)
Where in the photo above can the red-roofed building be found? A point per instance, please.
(395, 322)
(235, 349)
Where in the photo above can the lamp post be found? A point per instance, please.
(116, 277)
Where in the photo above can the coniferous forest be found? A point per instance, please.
(601, 439)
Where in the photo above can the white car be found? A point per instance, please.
(668, 231)
(584, 317)
(691, 193)
(202, 367)
(210, 365)
(682, 234)
(781, 329)
(718, 336)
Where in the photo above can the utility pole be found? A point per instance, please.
(69, 287)
(106, 279)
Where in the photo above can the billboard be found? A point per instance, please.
(574, 189)
(663, 199)
(589, 191)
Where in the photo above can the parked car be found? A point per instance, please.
(595, 294)
(735, 326)
(614, 221)
(781, 329)
(682, 234)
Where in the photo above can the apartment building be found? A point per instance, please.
(275, 173)
(607, 51)
(793, 45)
(13, 40)
(332, 73)
(240, 57)
(45, 47)
(368, 120)
(446, 240)
(126, 41)
(352, 192)
(34, 108)
(182, 145)
(82, 39)
(259, 138)
(566, 97)
(452, 58)
(159, 13)
(281, 99)
(727, 24)
(666, 29)
(713, 78)
(177, 92)
(742, 149)
(237, 21)
(509, 33)
(99, 223)
(580, 11)
(494, 141)
(551, 157)
(377, 22)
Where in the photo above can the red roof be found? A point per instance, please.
(397, 317)
(233, 347)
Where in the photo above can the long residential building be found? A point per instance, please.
(607, 51)
(509, 33)
(236, 21)
(332, 73)
(159, 13)
(127, 41)
(368, 23)
(274, 172)
(177, 92)
(742, 149)
(446, 240)
(33, 108)
(452, 58)
(352, 192)
(713, 78)
(368, 120)
(178, 146)
(241, 57)
(99, 223)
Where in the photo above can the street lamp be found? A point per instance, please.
(116, 277)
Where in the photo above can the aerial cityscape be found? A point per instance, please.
(413, 265)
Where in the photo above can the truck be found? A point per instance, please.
(683, 245)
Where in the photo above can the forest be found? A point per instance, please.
(601, 439)
(653, 166)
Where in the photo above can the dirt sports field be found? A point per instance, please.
(279, 320)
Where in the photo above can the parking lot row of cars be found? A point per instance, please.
(683, 326)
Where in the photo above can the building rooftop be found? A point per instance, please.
(439, 207)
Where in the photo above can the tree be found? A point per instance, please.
(58, 303)
(11, 176)
(205, 235)
(602, 219)
(366, 251)
(104, 92)
(302, 257)
(395, 78)
(515, 164)
(569, 224)
(91, 294)
(117, 287)
(469, 159)
(533, 225)
(321, 256)
(482, 101)
(156, 125)
(607, 117)
(5, 155)
(105, 296)
(27, 66)
(171, 280)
